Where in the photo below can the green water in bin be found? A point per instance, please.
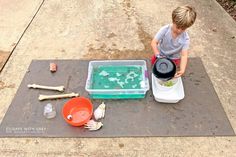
(116, 77)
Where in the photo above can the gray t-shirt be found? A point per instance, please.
(169, 46)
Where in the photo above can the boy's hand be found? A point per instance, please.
(179, 73)
(158, 56)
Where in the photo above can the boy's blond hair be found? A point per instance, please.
(184, 16)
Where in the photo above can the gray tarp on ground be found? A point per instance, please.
(199, 114)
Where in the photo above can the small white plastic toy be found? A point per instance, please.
(99, 113)
(93, 125)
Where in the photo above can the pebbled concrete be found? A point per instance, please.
(14, 18)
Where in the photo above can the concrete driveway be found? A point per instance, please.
(113, 29)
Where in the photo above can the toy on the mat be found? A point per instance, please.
(93, 125)
(49, 111)
(77, 111)
(70, 95)
(53, 67)
(57, 88)
(100, 111)
(166, 88)
(117, 79)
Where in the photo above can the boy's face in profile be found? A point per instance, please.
(177, 30)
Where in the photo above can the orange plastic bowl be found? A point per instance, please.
(77, 111)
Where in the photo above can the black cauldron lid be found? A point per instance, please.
(164, 69)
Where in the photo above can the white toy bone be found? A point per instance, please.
(131, 75)
(121, 84)
(100, 111)
(58, 88)
(45, 97)
(112, 79)
(118, 74)
(104, 73)
(93, 125)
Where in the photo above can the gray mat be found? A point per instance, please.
(199, 114)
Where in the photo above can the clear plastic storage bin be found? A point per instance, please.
(117, 79)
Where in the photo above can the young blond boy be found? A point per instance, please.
(172, 40)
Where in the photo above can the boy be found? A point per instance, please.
(172, 40)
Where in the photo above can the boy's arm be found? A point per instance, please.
(183, 63)
(158, 37)
(154, 44)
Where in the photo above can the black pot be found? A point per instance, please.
(164, 69)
